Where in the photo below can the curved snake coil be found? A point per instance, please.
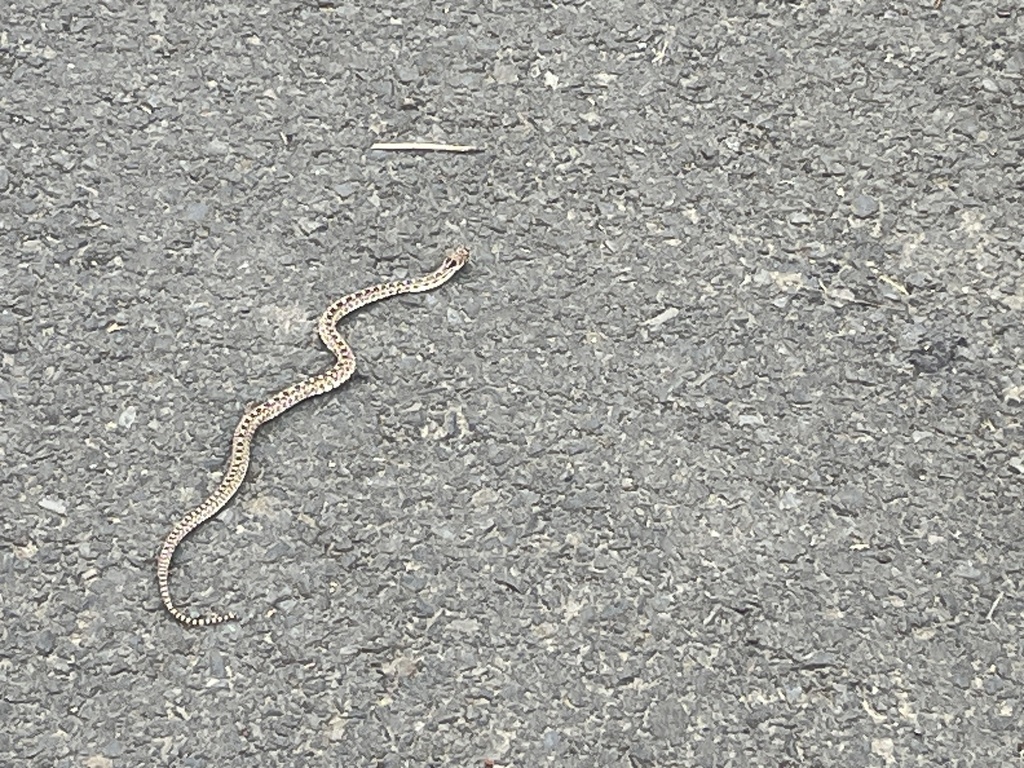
(274, 406)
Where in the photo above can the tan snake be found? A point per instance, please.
(257, 415)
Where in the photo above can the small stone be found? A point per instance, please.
(196, 211)
(53, 505)
(858, 376)
(951, 601)
(843, 294)
(407, 74)
(818, 660)
(849, 500)
(790, 552)
(662, 317)
(127, 417)
(990, 85)
(799, 219)
(884, 748)
(423, 609)
(962, 675)
(464, 626)
(793, 693)
(5, 179)
(967, 571)
(217, 666)
(46, 641)
(505, 73)
(308, 226)
(10, 333)
(276, 552)
(864, 206)
(833, 167)
(789, 500)
(993, 685)
(336, 728)
(346, 189)
(934, 355)
(64, 161)
(800, 396)
(114, 748)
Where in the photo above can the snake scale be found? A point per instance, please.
(258, 415)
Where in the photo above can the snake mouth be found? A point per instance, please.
(456, 258)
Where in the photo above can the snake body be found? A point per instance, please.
(257, 415)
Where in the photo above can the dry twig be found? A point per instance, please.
(420, 146)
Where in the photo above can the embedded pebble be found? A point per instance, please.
(127, 417)
(864, 206)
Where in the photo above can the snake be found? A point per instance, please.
(257, 415)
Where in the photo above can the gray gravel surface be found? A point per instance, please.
(712, 457)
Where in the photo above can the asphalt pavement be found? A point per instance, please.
(712, 456)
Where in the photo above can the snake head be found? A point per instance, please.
(456, 259)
